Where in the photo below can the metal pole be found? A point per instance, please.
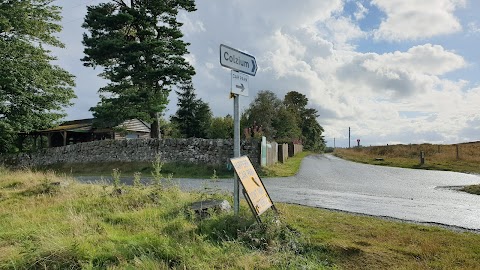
(236, 151)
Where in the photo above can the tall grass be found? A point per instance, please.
(50, 222)
(46, 225)
(439, 157)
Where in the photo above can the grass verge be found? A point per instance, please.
(407, 156)
(398, 156)
(289, 168)
(179, 170)
(47, 222)
(474, 189)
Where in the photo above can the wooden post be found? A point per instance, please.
(49, 140)
(422, 158)
(64, 134)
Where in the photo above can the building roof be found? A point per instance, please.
(86, 125)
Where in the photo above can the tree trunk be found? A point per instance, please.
(155, 127)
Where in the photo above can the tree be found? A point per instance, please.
(286, 125)
(193, 116)
(262, 112)
(312, 131)
(33, 91)
(221, 128)
(140, 48)
(295, 102)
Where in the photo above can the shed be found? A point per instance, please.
(83, 130)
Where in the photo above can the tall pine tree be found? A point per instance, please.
(138, 43)
(193, 116)
(311, 130)
(33, 91)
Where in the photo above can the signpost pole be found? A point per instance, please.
(236, 150)
(244, 63)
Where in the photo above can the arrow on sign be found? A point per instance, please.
(241, 87)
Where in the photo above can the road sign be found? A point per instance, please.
(257, 195)
(239, 83)
(237, 60)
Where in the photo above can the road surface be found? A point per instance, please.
(414, 195)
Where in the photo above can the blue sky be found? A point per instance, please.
(395, 71)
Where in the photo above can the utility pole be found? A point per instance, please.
(333, 143)
(348, 137)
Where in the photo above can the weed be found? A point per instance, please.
(272, 234)
(46, 187)
(157, 175)
(214, 176)
(137, 176)
(116, 173)
(13, 185)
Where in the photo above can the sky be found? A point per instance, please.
(394, 71)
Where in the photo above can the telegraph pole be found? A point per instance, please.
(348, 137)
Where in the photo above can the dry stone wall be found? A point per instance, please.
(193, 150)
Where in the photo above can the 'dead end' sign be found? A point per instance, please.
(256, 192)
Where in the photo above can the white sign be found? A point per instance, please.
(239, 83)
(237, 60)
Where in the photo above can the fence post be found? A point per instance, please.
(422, 158)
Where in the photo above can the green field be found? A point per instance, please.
(459, 158)
(51, 222)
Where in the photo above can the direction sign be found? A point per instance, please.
(237, 60)
(239, 83)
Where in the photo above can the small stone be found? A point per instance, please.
(218, 206)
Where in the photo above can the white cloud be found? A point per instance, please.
(341, 31)
(426, 59)
(473, 28)
(310, 47)
(190, 26)
(412, 19)
(361, 12)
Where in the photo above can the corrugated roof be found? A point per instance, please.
(86, 125)
(72, 127)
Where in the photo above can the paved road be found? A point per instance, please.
(415, 195)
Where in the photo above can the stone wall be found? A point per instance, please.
(198, 151)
